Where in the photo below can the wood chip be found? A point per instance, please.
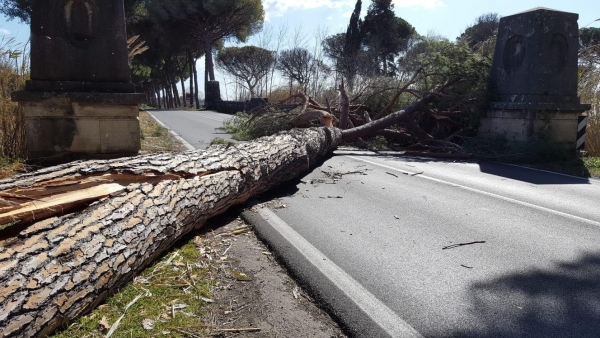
(148, 324)
(103, 325)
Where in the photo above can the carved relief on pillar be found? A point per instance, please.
(80, 19)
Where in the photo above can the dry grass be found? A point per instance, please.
(156, 138)
(173, 295)
(14, 71)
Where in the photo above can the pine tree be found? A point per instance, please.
(353, 33)
(385, 34)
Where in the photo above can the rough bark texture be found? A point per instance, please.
(55, 269)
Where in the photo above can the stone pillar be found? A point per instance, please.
(534, 78)
(80, 101)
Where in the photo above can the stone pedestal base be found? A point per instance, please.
(523, 125)
(68, 126)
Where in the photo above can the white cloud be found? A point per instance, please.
(347, 14)
(428, 4)
(280, 7)
(4, 31)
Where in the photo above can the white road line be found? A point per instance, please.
(179, 138)
(365, 300)
(508, 199)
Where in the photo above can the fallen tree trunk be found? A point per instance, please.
(86, 228)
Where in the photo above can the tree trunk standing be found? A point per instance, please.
(59, 263)
(167, 91)
(175, 92)
(196, 90)
(166, 102)
(157, 94)
(208, 60)
(182, 78)
(170, 94)
(191, 65)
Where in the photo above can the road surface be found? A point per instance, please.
(410, 247)
(198, 128)
(456, 249)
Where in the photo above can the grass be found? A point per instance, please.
(14, 67)
(221, 141)
(156, 138)
(10, 167)
(173, 294)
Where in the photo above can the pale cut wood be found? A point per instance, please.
(49, 206)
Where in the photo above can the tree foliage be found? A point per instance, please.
(249, 64)
(16, 9)
(385, 35)
(211, 21)
(484, 28)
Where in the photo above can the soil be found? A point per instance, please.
(255, 292)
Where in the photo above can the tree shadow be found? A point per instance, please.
(529, 175)
(562, 302)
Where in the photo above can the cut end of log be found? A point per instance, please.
(24, 205)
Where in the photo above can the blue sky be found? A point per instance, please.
(442, 17)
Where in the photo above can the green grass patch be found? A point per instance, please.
(221, 141)
(171, 294)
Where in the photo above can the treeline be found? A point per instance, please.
(168, 37)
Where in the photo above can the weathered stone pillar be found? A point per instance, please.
(534, 78)
(80, 101)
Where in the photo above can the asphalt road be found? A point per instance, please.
(410, 247)
(198, 128)
(529, 266)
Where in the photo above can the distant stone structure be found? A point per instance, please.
(213, 101)
(534, 78)
(80, 101)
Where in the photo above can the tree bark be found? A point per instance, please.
(191, 65)
(182, 79)
(196, 90)
(88, 227)
(175, 92)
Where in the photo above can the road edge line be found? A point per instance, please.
(179, 138)
(357, 308)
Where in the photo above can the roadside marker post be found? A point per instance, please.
(582, 123)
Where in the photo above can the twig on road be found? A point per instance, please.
(461, 244)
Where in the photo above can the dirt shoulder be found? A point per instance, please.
(257, 292)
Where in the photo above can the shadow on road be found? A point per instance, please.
(562, 302)
(529, 175)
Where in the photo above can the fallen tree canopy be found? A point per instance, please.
(85, 228)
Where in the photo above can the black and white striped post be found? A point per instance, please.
(581, 133)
